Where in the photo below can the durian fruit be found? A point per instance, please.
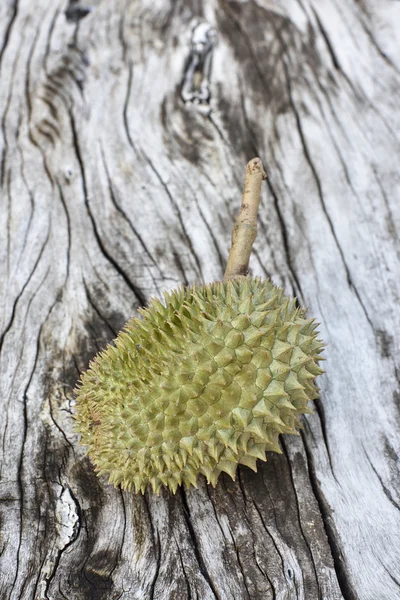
(205, 380)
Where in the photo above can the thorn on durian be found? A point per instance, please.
(249, 461)
(229, 468)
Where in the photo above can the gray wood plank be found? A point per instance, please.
(112, 190)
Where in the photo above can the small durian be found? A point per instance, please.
(205, 380)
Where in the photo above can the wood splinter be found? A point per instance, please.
(245, 229)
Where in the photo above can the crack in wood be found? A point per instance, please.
(196, 78)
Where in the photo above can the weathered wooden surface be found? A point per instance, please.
(112, 190)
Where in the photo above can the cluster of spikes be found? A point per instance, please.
(201, 382)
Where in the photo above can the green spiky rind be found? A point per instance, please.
(202, 382)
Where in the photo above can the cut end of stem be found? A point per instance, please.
(245, 229)
(255, 166)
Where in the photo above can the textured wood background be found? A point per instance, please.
(112, 189)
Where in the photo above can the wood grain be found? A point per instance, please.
(113, 189)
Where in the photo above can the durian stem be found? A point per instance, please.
(245, 229)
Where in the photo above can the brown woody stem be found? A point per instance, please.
(245, 229)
